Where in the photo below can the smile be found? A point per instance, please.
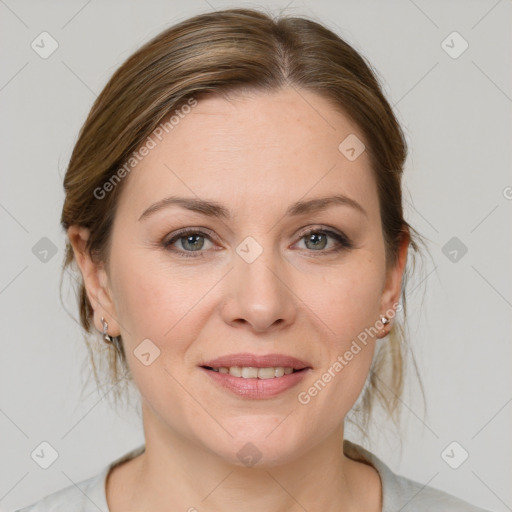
(251, 372)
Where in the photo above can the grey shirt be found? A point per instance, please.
(399, 494)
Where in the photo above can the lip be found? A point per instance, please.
(257, 361)
(256, 388)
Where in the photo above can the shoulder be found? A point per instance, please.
(85, 496)
(409, 496)
(401, 493)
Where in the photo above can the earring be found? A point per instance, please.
(106, 337)
(114, 340)
(385, 321)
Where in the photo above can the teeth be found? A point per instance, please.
(236, 371)
(250, 372)
(279, 372)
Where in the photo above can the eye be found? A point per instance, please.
(317, 241)
(190, 240)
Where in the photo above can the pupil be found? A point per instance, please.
(190, 240)
(315, 236)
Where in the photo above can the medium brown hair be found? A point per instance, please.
(229, 51)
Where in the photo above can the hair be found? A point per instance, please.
(216, 53)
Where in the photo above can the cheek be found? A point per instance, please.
(348, 305)
(154, 296)
(155, 303)
(167, 304)
(348, 299)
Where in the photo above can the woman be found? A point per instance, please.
(234, 207)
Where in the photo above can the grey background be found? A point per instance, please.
(457, 116)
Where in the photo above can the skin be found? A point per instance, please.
(256, 154)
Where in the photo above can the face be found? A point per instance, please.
(254, 273)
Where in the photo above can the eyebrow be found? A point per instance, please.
(214, 209)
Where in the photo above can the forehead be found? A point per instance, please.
(253, 149)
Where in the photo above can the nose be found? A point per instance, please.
(259, 294)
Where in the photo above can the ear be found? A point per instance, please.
(95, 281)
(393, 285)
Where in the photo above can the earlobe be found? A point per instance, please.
(95, 280)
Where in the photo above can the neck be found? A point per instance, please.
(174, 470)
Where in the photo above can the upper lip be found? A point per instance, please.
(257, 361)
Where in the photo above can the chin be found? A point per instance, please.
(261, 442)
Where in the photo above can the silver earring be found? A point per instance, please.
(114, 340)
(106, 337)
(384, 320)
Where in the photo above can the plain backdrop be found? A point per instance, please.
(456, 110)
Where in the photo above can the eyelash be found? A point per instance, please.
(341, 239)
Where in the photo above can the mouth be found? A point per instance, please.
(256, 377)
(253, 372)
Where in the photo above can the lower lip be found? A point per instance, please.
(257, 388)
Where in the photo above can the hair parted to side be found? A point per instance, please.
(230, 51)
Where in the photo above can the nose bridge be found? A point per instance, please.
(260, 294)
